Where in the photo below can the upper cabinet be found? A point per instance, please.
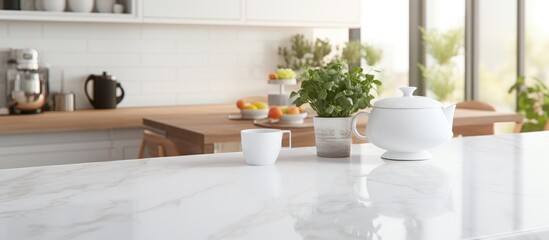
(70, 10)
(192, 11)
(291, 13)
(304, 12)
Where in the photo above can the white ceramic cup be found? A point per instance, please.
(53, 5)
(118, 8)
(262, 146)
(104, 6)
(81, 5)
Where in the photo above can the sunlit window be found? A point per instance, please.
(385, 27)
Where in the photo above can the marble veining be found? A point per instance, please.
(490, 187)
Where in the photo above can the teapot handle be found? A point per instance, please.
(90, 78)
(119, 98)
(353, 125)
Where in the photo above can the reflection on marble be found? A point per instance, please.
(408, 190)
(492, 187)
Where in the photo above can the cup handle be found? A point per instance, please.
(289, 137)
(353, 125)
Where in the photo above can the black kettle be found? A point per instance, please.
(104, 91)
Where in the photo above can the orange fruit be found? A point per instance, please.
(272, 76)
(293, 110)
(240, 104)
(275, 113)
(301, 109)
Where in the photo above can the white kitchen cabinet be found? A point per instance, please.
(303, 12)
(220, 11)
(290, 13)
(129, 15)
(54, 148)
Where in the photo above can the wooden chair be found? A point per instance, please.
(157, 145)
(482, 129)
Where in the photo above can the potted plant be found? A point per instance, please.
(533, 103)
(335, 93)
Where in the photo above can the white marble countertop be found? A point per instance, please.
(494, 187)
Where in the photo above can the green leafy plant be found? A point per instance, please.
(442, 48)
(322, 48)
(334, 91)
(372, 55)
(302, 53)
(533, 103)
(352, 52)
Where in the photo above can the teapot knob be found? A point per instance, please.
(407, 91)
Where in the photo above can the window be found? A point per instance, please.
(497, 52)
(443, 40)
(385, 27)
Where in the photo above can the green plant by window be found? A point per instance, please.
(303, 53)
(533, 103)
(372, 55)
(321, 49)
(334, 91)
(442, 48)
(352, 52)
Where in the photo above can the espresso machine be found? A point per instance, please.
(26, 84)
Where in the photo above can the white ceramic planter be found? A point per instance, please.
(81, 5)
(332, 137)
(53, 5)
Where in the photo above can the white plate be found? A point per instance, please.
(292, 118)
(254, 114)
(283, 81)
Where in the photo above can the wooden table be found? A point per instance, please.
(200, 133)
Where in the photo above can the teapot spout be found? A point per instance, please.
(449, 112)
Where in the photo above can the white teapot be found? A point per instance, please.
(407, 126)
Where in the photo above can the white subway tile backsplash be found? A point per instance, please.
(174, 32)
(223, 46)
(258, 60)
(224, 85)
(93, 59)
(66, 30)
(223, 60)
(25, 29)
(47, 44)
(157, 64)
(3, 29)
(160, 86)
(131, 88)
(114, 31)
(223, 34)
(195, 72)
(135, 46)
(138, 74)
(264, 47)
(175, 59)
(148, 100)
(271, 34)
(193, 46)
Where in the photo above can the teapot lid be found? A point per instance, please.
(108, 77)
(408, 101)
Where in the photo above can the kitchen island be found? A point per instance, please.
(492, 187)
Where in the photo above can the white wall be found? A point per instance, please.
(156, 64)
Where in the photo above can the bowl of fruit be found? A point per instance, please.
(254, 110)
(288, 115)
(284, 76)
